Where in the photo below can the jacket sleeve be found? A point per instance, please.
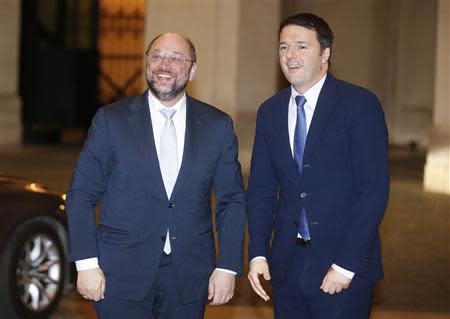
(87, 186)
(261, 193)
(230, 204)
(369, 153)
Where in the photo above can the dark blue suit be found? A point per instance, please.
(119, 164)
(344, 188)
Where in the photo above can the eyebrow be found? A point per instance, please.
(297, 42)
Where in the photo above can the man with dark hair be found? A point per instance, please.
(319, 182)
(154, 160)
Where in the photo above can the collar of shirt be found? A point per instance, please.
(156, 105)
(312, 95)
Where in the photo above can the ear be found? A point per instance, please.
(325, 55)
(192, 71)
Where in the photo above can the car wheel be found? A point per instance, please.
(32, 271)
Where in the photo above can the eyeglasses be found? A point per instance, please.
(174, 59)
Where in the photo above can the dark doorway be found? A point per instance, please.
(59, 67)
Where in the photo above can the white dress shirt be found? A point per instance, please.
(312, 95)
(158, 120)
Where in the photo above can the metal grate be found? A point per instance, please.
(120, 46)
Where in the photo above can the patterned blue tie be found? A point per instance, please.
(299, 147)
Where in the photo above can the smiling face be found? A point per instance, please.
(169, 67)
(302, 60)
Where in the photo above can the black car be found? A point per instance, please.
(33, 249)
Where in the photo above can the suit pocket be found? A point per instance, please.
(114, 236)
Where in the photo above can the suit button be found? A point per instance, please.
(296, 224)
(171, 205)
(303, 195)
(163, 238)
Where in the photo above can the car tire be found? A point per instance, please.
(32, 271)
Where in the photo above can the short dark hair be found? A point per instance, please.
(192, 52)
(311, 22)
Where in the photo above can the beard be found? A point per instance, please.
(166, 95)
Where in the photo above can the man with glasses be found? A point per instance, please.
(154, 160)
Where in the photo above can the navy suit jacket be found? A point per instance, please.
(119, 165)
(344, 184)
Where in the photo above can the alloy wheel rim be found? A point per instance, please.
(38, 272)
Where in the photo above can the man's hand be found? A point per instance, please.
(221, 287)
(91, 284)
(259, 267)
(334, 282)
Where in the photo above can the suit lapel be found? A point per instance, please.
(282, 128)
(142, 131)
(328, 98)
(195, 126)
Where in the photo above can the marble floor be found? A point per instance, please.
(415, 240)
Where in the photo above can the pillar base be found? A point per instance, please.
(437, 167)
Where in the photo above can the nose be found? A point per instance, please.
(165, 64)
(165, 60)
(290, 52)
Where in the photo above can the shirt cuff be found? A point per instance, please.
(343, 271)
(258, 258)
(227, 270)
(86, 264)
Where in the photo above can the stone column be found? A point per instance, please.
(10, 102)
(437, 167)
(236, 42)
(411, 109)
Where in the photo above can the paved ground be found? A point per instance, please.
(415, 238)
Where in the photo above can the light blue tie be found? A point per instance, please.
(168, 158)
(299, 147)
(300, 133)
